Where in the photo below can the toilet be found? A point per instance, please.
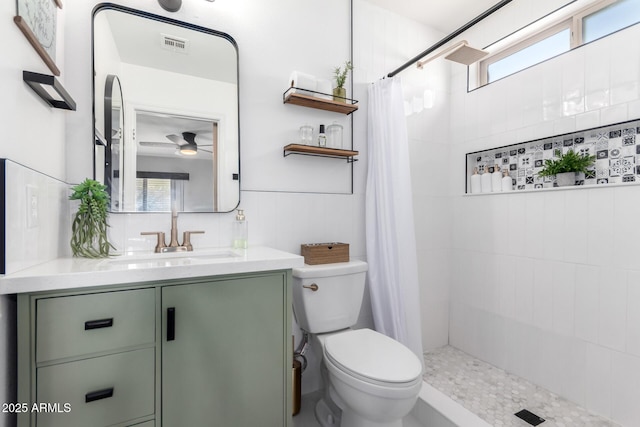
(370, 380)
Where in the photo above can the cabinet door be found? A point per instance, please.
(227, 363)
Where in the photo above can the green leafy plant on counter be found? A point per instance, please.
(341, 75)
(89, 228)
(569, 162)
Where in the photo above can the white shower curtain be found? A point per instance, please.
(391, 244)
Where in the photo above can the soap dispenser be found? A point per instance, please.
(486, 181)
(476, 184)
(496, 179)
(507, 184)
(240, 231)
(322, 138)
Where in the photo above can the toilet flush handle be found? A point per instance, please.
(312, 286)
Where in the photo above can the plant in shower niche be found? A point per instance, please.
(89, 228)
(340, 75)
(566, 166)
(569, 162)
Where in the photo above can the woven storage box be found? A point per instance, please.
(325, 253)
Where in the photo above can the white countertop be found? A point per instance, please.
(75, 273)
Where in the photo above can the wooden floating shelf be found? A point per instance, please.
(295, 98)
(321, 151)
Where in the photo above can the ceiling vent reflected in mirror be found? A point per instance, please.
(174, 44)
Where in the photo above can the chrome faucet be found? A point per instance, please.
(174, 246)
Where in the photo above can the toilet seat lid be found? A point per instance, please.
(373, 356)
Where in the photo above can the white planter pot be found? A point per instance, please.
(566, 179)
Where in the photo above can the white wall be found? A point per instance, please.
(383, 42)
(288, 201)
(546, 284)
(33, 134)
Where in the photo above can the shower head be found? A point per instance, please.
(466, 55)
(460, 52)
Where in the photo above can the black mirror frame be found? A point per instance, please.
(110, 6)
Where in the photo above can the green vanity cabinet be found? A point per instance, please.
(101, 356)
(224, 345)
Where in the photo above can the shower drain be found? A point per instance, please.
(529, 417)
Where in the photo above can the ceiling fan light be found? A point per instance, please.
(189, 149)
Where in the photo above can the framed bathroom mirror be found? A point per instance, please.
(166, 106)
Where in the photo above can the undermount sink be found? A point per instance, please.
(172, 258)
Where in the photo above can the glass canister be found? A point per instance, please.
(334, 136)
(306, 135)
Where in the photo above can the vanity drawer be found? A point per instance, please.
(82, 324)
(100, 391)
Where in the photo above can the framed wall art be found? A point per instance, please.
(37, 19)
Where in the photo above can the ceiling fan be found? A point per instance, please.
(185, 144)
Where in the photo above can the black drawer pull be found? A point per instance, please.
(97, 324)
(171, 323)
(97, 395)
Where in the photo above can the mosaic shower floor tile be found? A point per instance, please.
(495, 395)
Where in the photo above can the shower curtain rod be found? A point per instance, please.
(450, 37)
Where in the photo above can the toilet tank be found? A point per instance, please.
(336, 303)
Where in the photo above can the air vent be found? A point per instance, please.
(174, 44)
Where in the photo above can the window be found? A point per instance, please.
(609, 19)
(572, 29)
(158, 194)
(528, 53)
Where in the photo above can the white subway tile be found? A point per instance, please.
(612, 312)
(634, 109)
(532, 244)
(507, 287)
(614, 114)
(576, 215)
(516, 222)
(553, 235)
(598, 383)
(587, 302)
(524, 291)
(625, 386)
(543, 294)
(588, 120)
(601, 226)
(574, 373)
(633, 314)
(563, 298)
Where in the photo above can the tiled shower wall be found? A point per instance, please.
(615, 149)
(547, 284)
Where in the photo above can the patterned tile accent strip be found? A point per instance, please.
(616, 148)
(495, 395)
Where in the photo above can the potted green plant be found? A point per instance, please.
(565, 167)
(340, 75)
(89, 228)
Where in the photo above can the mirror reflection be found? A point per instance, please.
(166, 103)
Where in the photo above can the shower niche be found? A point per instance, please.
(616, 148)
